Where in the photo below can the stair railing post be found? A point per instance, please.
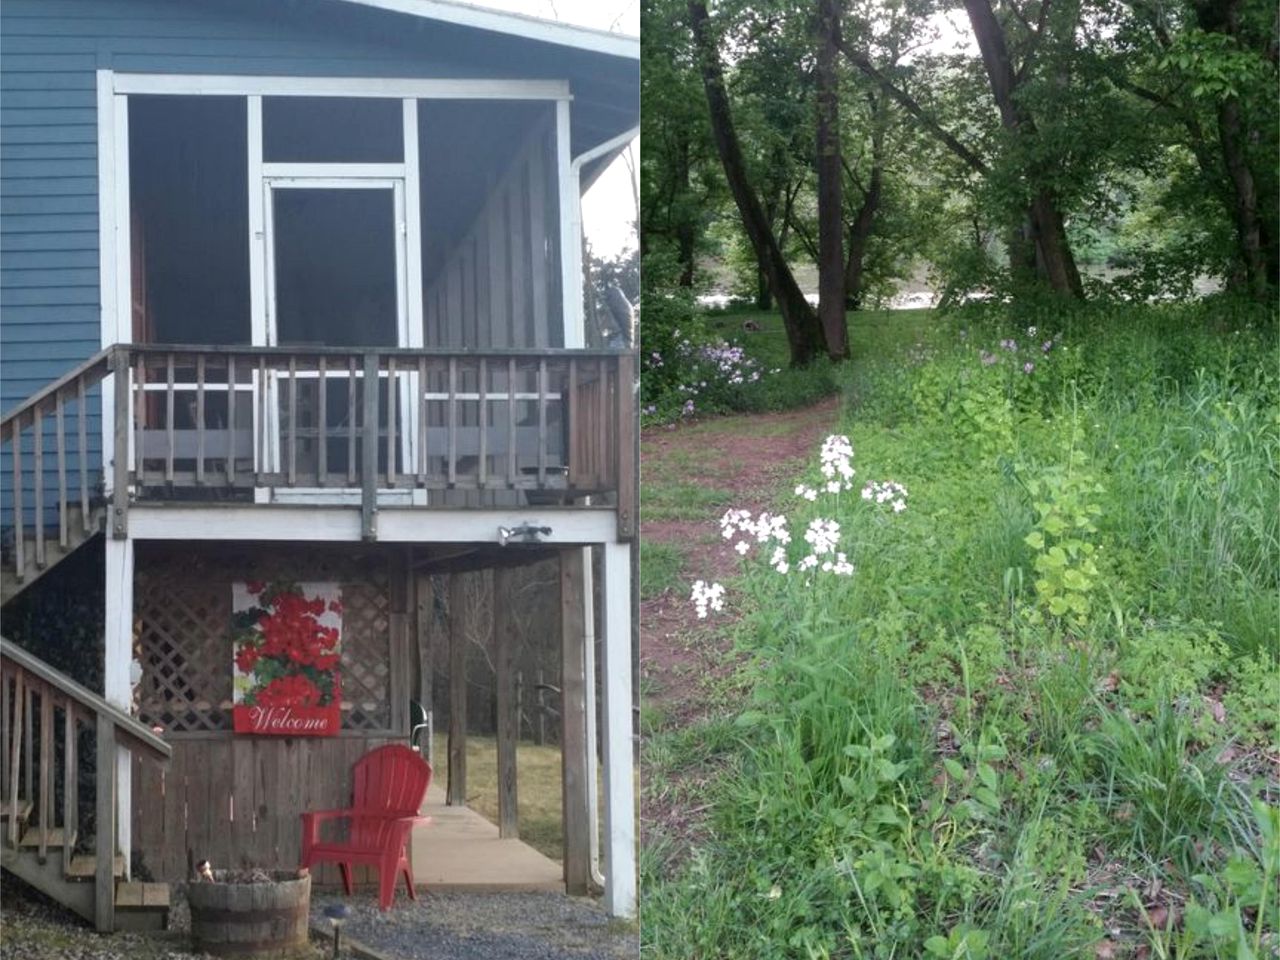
(45, 806)
(70, 790)
(15, 751)
(369, 450)
(120, 493)
(104, 878)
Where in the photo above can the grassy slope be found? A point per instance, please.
(937, 764)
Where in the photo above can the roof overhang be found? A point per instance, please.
(513, 24)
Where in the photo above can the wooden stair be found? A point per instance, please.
(81, 528)
(43, 714)
(69, 880)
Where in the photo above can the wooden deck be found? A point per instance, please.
(461, 851)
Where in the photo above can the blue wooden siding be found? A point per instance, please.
(49, 52)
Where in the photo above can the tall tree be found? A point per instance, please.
(872, 191)
(805, 336)
(1224, 18)
(1047, 227)
(680, 184)
(831, 267)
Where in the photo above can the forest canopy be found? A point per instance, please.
(1082, 149)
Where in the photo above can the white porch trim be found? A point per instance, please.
(619, 765)
(107, 284)
(117, 689)
(386, 87)
(311, 523)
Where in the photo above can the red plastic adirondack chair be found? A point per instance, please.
(390, 785)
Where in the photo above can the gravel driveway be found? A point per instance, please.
(486, 926)
(440, 926)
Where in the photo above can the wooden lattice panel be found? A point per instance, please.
(182, 637)
(366, 668)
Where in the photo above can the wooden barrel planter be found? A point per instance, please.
(251, 919)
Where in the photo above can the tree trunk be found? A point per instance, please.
(1021, 246)
(685, 235)
(1245, 209)
(831, 292)
(864, 220)
(1223, 17)
(1054, 257)
(804, 333)
(764, 298)
(860, 232)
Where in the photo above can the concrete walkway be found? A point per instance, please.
(460, 851)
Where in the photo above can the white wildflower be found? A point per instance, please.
(707, 595)
(822, 535)
(886, 491)
(733, 522)
(779, 560)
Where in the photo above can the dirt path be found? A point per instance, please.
(690, 476)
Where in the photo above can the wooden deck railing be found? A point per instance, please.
(53, 428)
(43, 714)
(216, 423)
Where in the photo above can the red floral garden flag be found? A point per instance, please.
(287, 639)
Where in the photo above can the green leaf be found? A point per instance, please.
(988, 776)
(987, 798)
(937, 946)
(955, 770)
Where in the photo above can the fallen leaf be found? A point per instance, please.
(1158, 917)
(1105, 950)
(1142, 953)
(1217, 709)
(1110, 682)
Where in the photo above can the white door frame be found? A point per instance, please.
(333, 177)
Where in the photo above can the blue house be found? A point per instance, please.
(291, 293)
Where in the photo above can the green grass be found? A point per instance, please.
(659, 569)
(538, 798)
(975, 746)
(675, 500)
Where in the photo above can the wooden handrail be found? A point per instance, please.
(102, 358)
(30, 793)
(137, 736)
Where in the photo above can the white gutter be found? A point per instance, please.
(573, 250)
(573, 253)
(593, 761)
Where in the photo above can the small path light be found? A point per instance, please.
(337, 914)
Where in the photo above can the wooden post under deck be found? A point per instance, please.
(117, 689)
(573, 715)
(505, 642)
(457, 794)
(426, 633)
(618, 738)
